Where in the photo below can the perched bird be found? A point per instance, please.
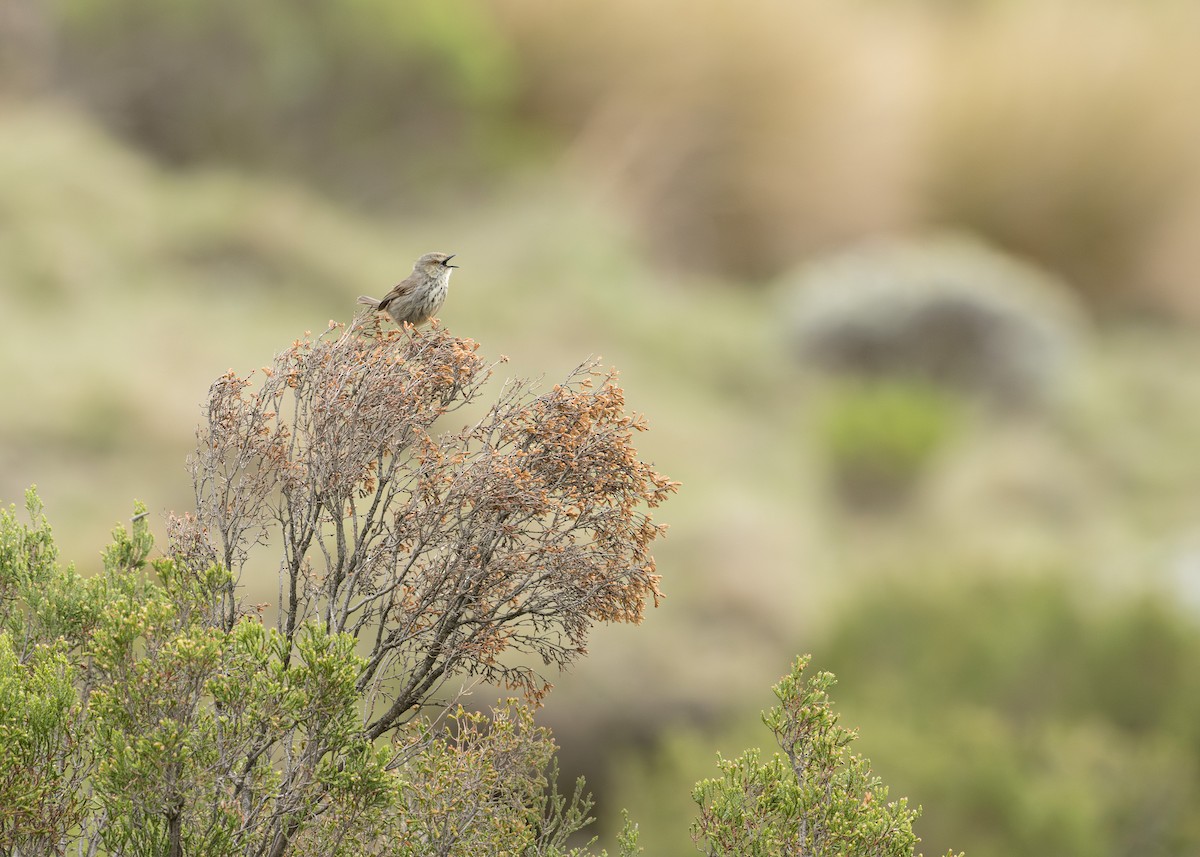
(419, 295)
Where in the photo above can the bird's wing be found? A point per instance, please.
(398, 291)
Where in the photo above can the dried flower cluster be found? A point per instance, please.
(440, 551)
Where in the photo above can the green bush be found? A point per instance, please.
(816, 798)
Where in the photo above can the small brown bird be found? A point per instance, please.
(419, 295)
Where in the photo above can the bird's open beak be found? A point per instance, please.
(447, 262)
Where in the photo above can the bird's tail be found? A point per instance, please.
(366, 300)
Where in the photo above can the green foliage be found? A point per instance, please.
(130, 720)
(816, 798)
(43, 748)
(39, 602)
(44, 737)
(484, 781)
(880, 438)
(217, 740)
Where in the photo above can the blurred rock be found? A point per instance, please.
(943, 310)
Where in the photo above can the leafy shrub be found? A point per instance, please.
(43, 759)
(817, 798)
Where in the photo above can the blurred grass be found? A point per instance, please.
(1052, 129)
(1059, 136)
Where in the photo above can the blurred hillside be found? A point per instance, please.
(739, 139)
(187, 187)
(747, 136)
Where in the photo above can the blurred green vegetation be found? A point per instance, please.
(372, 100)
(613, 177)
(879, 438)
(1080, 720)
(1024, 718)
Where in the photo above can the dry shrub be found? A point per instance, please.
(440, 552)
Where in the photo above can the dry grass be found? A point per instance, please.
(741, 134)
(744, 137)
(1061, 135)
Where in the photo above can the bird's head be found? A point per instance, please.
(434, 264)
